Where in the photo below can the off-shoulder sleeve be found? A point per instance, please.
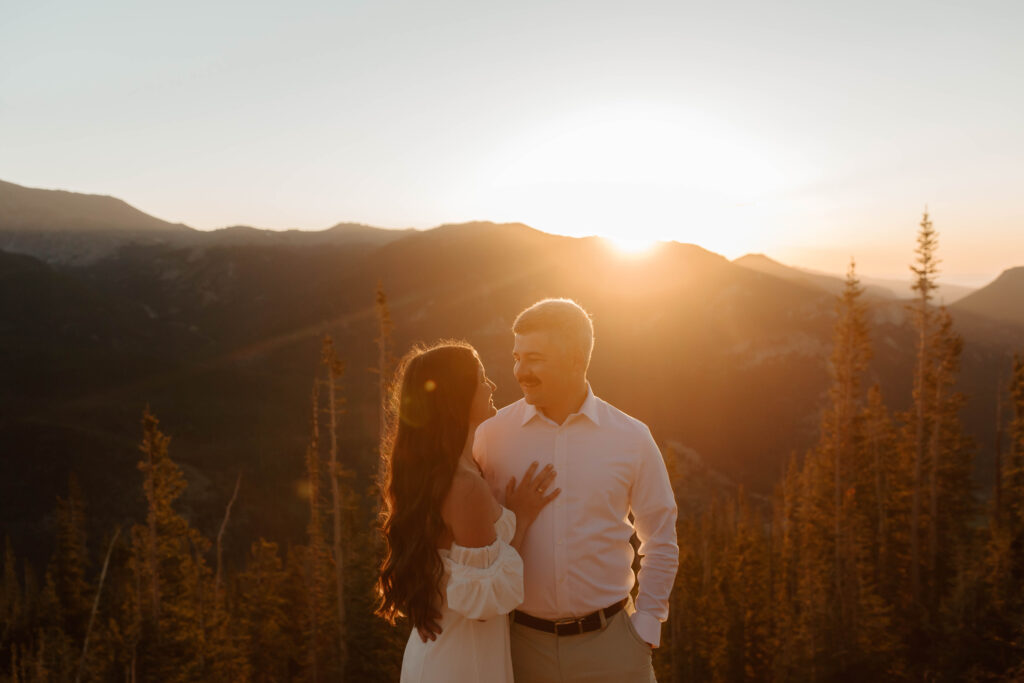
(484, 582)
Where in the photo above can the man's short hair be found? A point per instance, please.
(568, 323)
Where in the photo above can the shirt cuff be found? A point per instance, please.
(647, 627)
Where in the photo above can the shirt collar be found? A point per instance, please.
(588, 409)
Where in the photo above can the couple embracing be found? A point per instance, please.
(508, 532)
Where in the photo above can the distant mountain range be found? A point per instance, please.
(34, 210)
(878, 287)
(69, 228)
(219, 332)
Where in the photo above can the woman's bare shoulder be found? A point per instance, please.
(470, 510)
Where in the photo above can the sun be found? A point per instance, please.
(640, 174)
(627, 246)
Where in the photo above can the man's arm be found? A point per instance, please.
(654, 513)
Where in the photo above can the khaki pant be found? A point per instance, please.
(612, 654)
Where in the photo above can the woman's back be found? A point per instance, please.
(469, 511)
(483, 581)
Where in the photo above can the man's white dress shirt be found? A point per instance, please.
(577, 557)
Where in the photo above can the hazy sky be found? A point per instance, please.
(808, 131)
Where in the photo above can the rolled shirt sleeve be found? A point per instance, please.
(654, 512)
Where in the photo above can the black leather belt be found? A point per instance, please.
(569, 627)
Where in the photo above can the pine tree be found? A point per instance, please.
(824, 525)
(315, 574)
(1004, 562)
(786, 554)
(56, 653)
(385, 364)
(1014, 478)
(880, 473)
(872, 640)
(70, 562)
(925, 272)
(176, 607)
(750, 595)
(850, 355)
(334, 371)
(1013, 475)
(262, 612)
(713, 606)
(950, 464)
(817, 648)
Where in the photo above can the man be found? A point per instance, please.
(577, 621)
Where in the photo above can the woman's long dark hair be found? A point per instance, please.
(429, 423)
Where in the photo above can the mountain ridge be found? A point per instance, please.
(873, 286)
(64, 227)
(34, 209)
(1001, 299)
(223, 342)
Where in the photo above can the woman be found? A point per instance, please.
(451, 550)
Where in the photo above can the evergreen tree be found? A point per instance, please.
(850, 355)
(315, 573)
(880, 473)
(925, 272)
(833, 579)
(816, 646)
(181, 636)
(749, 595)
(385, 364)
(262, 612)
(1004, 565)
(786, 553)
(334, 371)
(70, 562)
(951, 507)
(56, 653)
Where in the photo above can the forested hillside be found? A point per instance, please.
(846, 467)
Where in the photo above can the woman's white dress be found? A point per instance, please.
(482, 585)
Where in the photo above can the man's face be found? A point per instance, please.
(543, 368)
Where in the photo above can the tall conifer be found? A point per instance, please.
(71, 560)
(925, 271)
(262, 612)
(334, 370)
(168, 555)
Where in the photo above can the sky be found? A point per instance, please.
(812, 132)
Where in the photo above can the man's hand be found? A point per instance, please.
(431, 629)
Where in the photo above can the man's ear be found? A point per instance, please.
(579, 363)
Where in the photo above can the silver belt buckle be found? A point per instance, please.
(566, 622)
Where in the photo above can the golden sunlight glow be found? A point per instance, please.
(631, 247)
(638, 175)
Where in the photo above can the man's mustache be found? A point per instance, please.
(527, 379)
